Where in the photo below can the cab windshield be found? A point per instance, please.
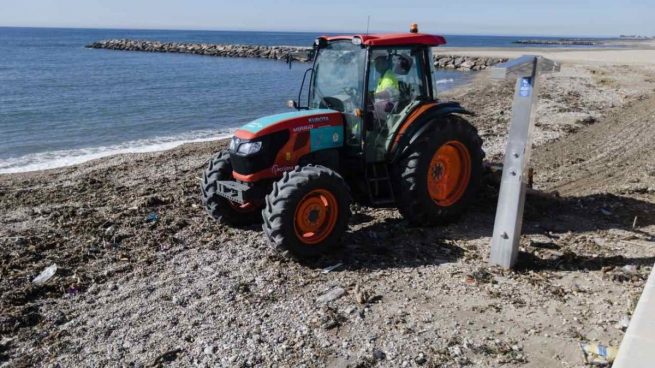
(338, 80)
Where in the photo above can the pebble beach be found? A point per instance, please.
(144, 277)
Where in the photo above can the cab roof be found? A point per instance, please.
(394, 39)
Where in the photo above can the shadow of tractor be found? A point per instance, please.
(392, 243)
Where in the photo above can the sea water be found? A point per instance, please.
(62, 104)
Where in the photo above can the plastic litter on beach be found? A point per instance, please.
(630, 269)
(45, 275)
(73, 290)
(332, 268)
(623, 323)
(597, 354)
(152, 217)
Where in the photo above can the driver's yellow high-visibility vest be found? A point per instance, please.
(388, 81)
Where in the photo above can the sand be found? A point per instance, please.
(631, 53)
(175, 288)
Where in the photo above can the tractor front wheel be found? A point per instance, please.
(219, 208)
(307, 211)
(441, 174)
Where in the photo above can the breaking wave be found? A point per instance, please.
(61, 158)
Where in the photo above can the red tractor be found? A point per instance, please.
(372, 128)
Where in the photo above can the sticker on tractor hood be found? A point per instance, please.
(318, 119)
(313, 117)
(325, 137)
(279, 169)
(303, 128)
(311, 121)
(526, 87)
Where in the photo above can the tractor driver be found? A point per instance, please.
(387, 91)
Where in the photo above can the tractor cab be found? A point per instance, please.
(376, 81)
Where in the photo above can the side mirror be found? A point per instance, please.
(292, 104)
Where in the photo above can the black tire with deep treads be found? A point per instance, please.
(281, 204)
(220, 168)
(410, 174)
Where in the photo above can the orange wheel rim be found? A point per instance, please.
(316, 216)
(449, 173)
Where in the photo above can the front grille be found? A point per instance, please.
(264, 159)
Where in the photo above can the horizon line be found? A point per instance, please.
(296, 31)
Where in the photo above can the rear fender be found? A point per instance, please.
(415, 128)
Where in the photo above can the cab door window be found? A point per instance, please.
(396, 84)
(395, 81)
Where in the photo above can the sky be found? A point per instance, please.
(488, 17)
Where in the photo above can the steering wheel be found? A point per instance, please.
(333, 103)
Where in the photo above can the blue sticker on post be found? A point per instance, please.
(526, 87)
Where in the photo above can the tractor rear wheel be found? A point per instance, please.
(219, 208)
(307, 211)
(441, 175)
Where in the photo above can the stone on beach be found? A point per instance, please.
(331, 295)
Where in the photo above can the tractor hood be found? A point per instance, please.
(296, 121)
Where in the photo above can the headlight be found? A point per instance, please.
(249, 148)
(234, 143)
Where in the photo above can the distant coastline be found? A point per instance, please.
(560, 42)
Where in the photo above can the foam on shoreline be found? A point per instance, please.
(61, 158)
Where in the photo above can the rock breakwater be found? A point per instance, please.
(223, 50)
(454, 62)
(465, 63)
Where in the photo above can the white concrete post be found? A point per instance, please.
(636, 350)
(511, 198)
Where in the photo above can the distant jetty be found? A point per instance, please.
(560, 42)
(636, 37)
(246, 51)
(465, 63)
(295, 53)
